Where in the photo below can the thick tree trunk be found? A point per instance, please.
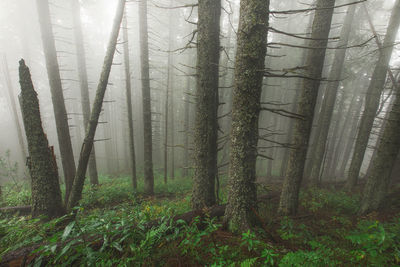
(249, 72)
(83, 81)
(145, 76)
(206, 121)
(76, 192)
(373, 97)
(57, 96)
(45, 187)
(306, 105)
(14, 108)
(330, 98)
(128, 92)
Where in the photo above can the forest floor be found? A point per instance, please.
(115, 226)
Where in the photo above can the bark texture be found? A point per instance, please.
(57, 96)
(128, 92)
(76, 192)
(306, 105)
(46, 193)
(249, 72)
(330, 98)
(83, 83)
(145, 76)
(373, 97)
(206, 121)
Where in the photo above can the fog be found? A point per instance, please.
(20, 37)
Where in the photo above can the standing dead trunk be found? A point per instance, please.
(83, 82)
(145, 77)
(57, 95)
(76, 192)
(206, 121)
(373, 97)
(249, 72)
(46, 193)
(14, 108)
(128, 96)
(306, 105)
(330, 98)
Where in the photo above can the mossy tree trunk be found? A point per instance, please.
(146, 94)
(57, 95)
(305, 106)
(46, 193)
(328, 104)
(206, 121)
(128, 95)
(373, 97)
(76, 192)
(249, 72)
(83, 82)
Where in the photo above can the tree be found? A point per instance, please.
(128, 92)
(206, 121)
(57, 95)
(373, 97)
(83, 82)
(249, 72)
(328, 103)
(306, 105)
(76, 192)
(145, 77)
(45, 187)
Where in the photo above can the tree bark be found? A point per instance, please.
(330, 98)
(206, 121)
(128, 92)
(83, 82)
(76, 192)
(45, 187)
(145, 76)
(373, 97)
(249, 72)
(57, 95)
(378, 181)
(306, 105)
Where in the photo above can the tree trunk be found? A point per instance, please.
(206, 121)
(373, 97)
(145, 77)
(128, 90)
(306, 105)
(378, 181)
(83, 81)
(45, 187)
(330, 98)
(76, 192)
(57, 95)
(249, 72)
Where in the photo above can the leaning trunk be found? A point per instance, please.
(373, 97)
(76, 193)
(306, 105)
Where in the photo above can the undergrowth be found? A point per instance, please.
(117, 226)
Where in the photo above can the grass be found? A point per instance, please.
(325, 233)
